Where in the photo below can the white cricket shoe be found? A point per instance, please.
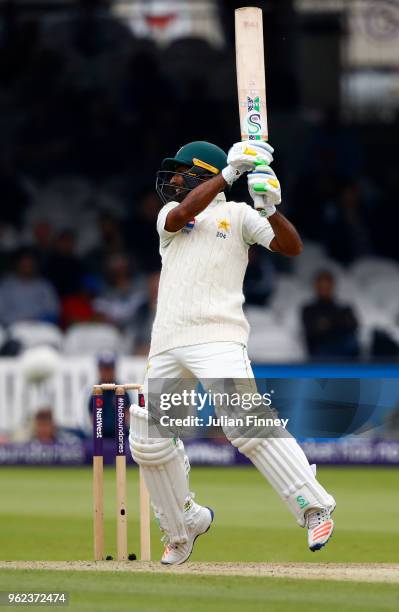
(198, 520)
(320, 527)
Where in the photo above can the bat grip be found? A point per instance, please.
(258, 202)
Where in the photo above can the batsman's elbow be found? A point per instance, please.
(295, 250)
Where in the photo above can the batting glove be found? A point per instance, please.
(246, 156)
(265, 190)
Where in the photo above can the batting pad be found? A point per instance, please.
(284, 464)
(162, 465)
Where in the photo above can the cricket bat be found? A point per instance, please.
(251, 82)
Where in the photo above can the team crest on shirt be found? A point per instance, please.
(188, 227)
(223, 228)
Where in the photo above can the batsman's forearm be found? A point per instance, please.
(194, 203)
(286, 239)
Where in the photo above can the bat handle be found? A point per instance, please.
(258, 202)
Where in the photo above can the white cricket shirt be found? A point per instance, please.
(200, 294)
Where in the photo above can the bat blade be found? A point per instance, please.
(251, 82)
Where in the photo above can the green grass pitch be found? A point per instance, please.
(45, 514)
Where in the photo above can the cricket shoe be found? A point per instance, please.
(320, 527)
(198, 520)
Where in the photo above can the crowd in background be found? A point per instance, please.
(88, 111)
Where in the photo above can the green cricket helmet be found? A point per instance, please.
(198, 153)
(203, 160)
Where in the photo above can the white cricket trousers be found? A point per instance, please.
(279, 459)
(202, 361)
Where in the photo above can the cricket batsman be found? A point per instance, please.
(200, 331)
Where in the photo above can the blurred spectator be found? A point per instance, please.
(259, 278)
(313, 195)
(78, 307)
(8, 237)
(64, 269)
(41, 236)
(106, 363)
(124, 295)
(332, 210)
(43, 429)
(142, 231)
(345, 232)
(111, 242)
(145, 316)
(330, 328)
(332, 148)
(24, 295)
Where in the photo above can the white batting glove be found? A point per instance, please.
(265, 190)
(246, 156)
